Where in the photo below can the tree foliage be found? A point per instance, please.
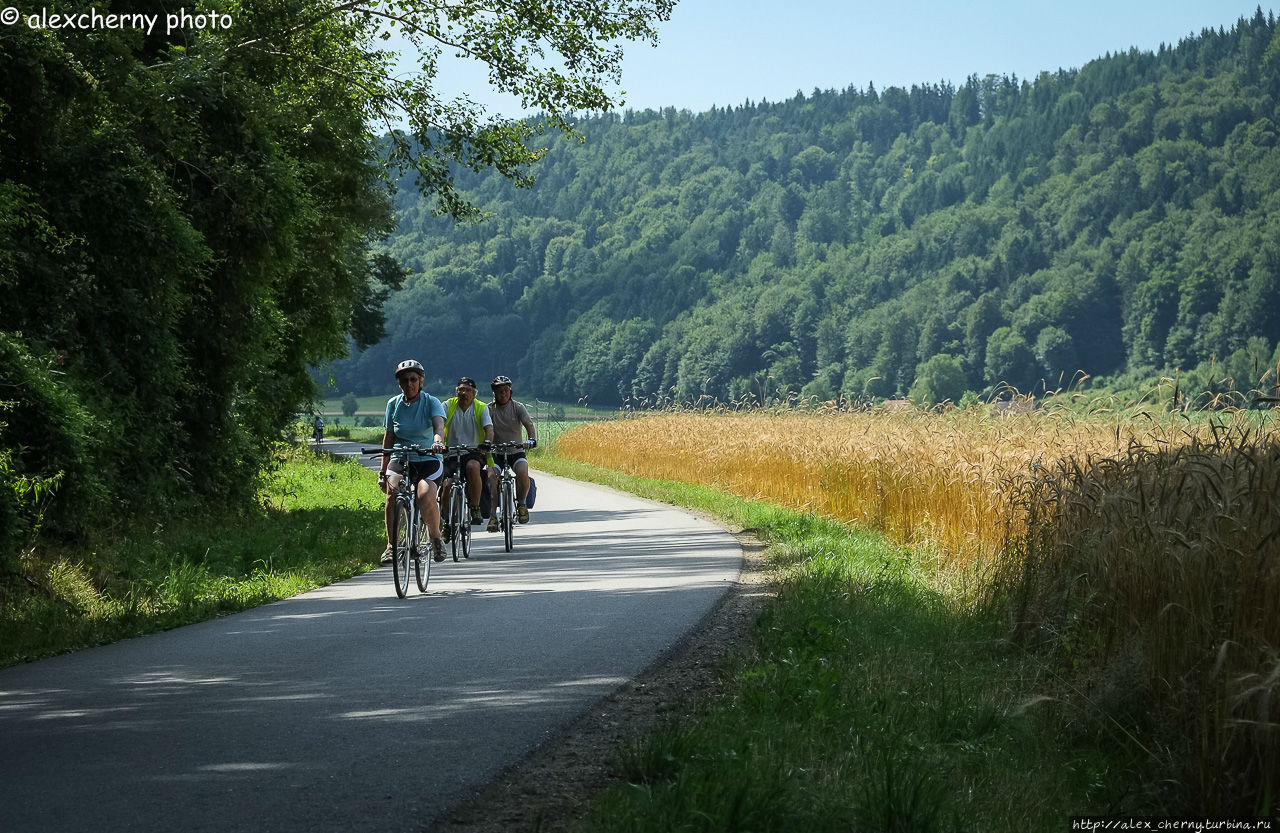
(940, 379)
(187, 217)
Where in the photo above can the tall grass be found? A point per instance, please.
(359, 434)
(1138, 556)
(1153, 578)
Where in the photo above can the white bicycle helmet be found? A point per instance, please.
(410, 364)
(499, 381)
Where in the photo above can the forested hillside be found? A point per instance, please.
(1122, 220)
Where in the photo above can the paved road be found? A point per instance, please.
(348, 709)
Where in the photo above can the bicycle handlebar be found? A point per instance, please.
(413, 448)
(457, 452)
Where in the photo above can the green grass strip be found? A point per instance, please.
(318, 521)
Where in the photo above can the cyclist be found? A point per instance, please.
(418, 418)
(467, 422)
(318, 425)
(508, 416)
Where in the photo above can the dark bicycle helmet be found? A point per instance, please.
(410, 364)
(499, 381)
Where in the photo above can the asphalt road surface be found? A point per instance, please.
(347, 709)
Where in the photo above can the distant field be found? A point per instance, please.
(540, 410)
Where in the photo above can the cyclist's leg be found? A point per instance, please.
(486, 495)
(429, 506)
(522, 479)
(473, 488)
(448, 523)
(493, 496)
(522, 489)
(391, 484)
(429, 500)
(431, 517)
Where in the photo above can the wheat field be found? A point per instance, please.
(944, 480)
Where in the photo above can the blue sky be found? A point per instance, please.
(724, 52)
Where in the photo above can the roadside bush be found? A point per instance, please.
(47, 442)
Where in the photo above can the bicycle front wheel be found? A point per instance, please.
(401, 543)
(422, 565)
(461, 523)
(508, 514)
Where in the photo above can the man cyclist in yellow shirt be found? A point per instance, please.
(508, 417)
(467, 422)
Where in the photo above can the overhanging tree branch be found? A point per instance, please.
(555, 55)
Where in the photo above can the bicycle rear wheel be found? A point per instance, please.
(401, 546)
(422, 565)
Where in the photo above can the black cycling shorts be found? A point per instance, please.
(507, 458)
(423, 470)
(452, 468)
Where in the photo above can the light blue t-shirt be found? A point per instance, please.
(410, 422)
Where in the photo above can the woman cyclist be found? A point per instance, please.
(414, 417)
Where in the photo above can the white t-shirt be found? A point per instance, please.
(462, 427)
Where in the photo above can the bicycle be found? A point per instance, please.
(505, 510)
(453, 502)
(406, 524)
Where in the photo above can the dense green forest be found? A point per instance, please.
(1121, 220)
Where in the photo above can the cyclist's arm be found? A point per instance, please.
(437, 424)
(527, 422)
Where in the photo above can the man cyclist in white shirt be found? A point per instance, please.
(509, 417)
(467, 422)
(414, 417)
